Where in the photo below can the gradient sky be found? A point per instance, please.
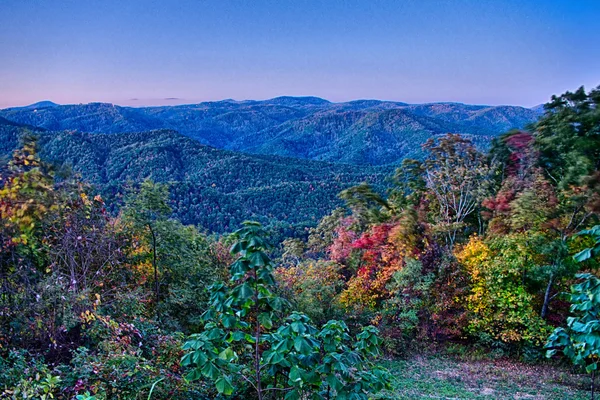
(140, 52)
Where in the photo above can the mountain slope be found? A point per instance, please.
(363, 131)
(217, 189)
(384, 136)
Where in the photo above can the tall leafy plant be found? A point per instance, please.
(580, 340)
(144, 211)
(246, 335)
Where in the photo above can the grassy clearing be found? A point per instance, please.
(442, 377)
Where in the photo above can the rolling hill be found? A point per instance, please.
(216, 189)
(361, 132)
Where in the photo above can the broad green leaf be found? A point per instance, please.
(224, 386)
(227, 354)
(265, 320)
(259, 259)
(583, 255)
(295, 375)
(301, 345)
(245, 291)
(210, 371)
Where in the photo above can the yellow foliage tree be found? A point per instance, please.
(500, 304)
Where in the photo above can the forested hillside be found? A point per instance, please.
(362, 132)
(212, 188)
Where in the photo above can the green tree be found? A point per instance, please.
(568, 137)
(246, 335)
(145, 210)
(367, 206)
(579, 341)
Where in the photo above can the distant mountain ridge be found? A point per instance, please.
(38, 105)
(371, 132)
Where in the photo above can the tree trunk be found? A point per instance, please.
(154, 266)
(547, 297)
(593, 383)
(257, 359)
(256, 339)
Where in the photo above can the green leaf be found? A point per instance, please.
(210, 371)
(237, 247)
(298, 327)
(334, 382)
(259, 259)
(301, 345)
(583, 255)
(245, 291)
(292, 395)
(193, 375)
(198, 357)
(236, 336)
(224, 386)
(227, 355)
(265, 320)
(229, 321)
(295, 375)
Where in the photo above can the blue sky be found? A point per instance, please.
(140, 52)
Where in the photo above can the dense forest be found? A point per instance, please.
(116, 293)
(214, 189)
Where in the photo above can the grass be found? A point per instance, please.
(444, 377)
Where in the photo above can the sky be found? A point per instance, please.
(144, 52)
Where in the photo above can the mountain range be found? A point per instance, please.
(369, 132)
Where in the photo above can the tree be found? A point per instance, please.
(458, 177)
(501, 305)
(568, 141)
(313, 288)
(246, 335)
(531, 201)
(321, 237)
(409, 186)
(27, 196)
(144, 211)
(366, 205)
(568, 137)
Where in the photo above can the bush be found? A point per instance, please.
(313, 288)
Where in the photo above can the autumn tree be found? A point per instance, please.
(28, 201)
(144, 211)
(457, 177)
(499, 299)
